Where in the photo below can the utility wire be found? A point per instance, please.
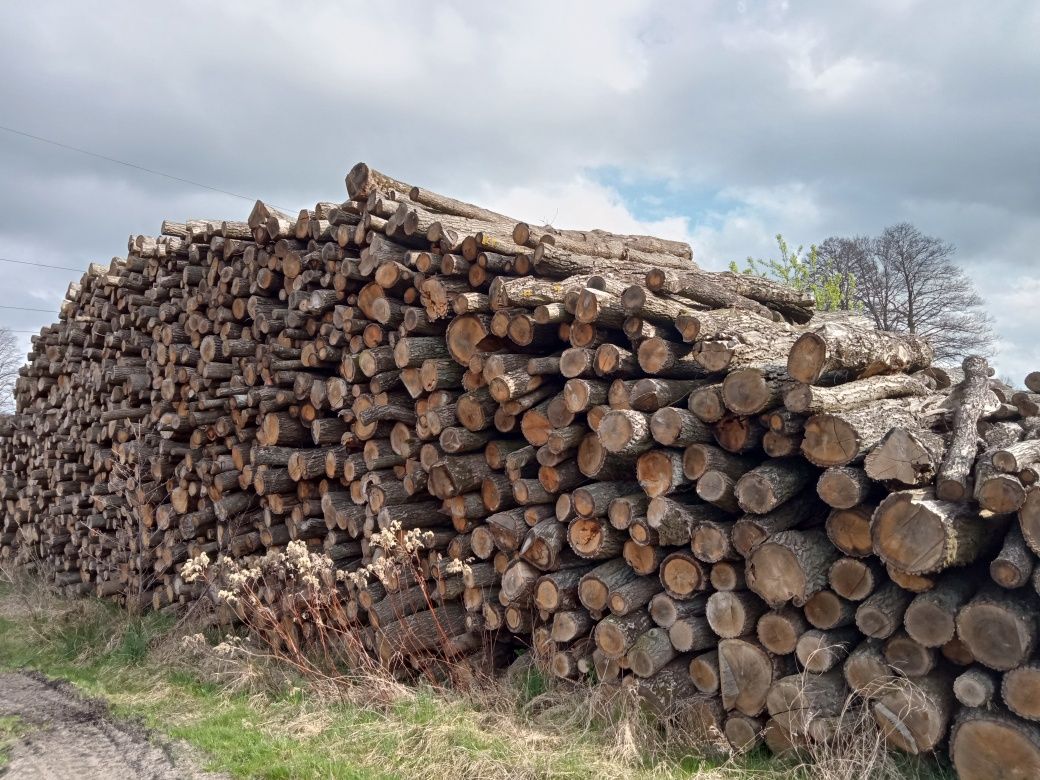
(25, 308)
(42, 265)
(135, 166)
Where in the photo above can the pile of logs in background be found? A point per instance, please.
(685, 482)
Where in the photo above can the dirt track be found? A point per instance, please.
(73, 737)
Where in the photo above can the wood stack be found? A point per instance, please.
(685, 482)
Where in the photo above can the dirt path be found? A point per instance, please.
(70, 736)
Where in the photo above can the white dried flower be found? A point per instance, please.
(194, 568)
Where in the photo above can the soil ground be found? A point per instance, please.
(65, 735)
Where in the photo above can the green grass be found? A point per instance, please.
(11, 730)
(289, 731)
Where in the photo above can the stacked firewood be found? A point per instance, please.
(687, 483)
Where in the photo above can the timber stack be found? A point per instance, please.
(687, 483)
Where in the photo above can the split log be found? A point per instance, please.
(951, 481)
(906, 457)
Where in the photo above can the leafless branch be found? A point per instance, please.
(907, 282)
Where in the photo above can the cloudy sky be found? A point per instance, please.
(721, 123)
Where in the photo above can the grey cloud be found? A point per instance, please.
(875, 113)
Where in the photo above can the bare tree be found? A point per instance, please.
(843, 258)
(11, 360)
(907, 282)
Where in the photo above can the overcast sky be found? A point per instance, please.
(720, 123)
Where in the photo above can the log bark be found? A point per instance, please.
(796, 700)
(849, 530)
(766, 487)
(976, 687)
(881, 613)
(1020, 691)
(779, 630)
(651, 652)
(854, 578)
(844, 487)
(1014, 564)
(682, 575)
(809, 399)
(820, 651)
(914, 715)
(733, 614)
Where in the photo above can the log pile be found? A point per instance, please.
(687, 483)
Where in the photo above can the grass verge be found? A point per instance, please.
(252, 720)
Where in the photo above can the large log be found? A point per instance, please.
(747, 673)
(917, 533)
(790, 566)
(840, 351)
(999, 627)
(842, 437)
(989, 743)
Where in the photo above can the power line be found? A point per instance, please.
(41, 265)
(117, 161)
(25, 308)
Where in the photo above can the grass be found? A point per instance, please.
(253, 721)
(11, 730)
